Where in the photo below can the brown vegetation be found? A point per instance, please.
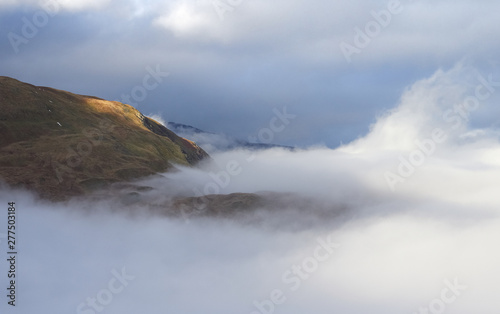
(61, 144)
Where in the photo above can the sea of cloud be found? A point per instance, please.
(420, 233)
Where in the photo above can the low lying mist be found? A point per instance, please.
(403, 220)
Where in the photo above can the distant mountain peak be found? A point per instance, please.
(185, 127)
(218, 141)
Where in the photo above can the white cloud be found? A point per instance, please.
(447, 101)
(425, 28)
(397, 248)
(158, 118)
(188, 19)
(403, 132)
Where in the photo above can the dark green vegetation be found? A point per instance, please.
(61, 144)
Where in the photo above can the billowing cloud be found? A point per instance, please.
(427, 244)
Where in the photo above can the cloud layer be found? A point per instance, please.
(229, 72)
(428, 243)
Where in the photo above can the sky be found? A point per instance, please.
(399, 134)
(225, 66)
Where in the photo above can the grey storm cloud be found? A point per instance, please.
(233, 62)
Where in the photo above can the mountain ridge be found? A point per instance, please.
(61, 144)
(219, 141)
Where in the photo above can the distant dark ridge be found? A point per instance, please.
(190, 132)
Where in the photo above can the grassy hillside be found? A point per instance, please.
(62, 144)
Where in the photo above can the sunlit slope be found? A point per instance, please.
(61, 144)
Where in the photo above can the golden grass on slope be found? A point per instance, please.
(57, 142)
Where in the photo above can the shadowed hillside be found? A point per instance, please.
(62, 144)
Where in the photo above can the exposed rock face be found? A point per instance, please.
(61, 144)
